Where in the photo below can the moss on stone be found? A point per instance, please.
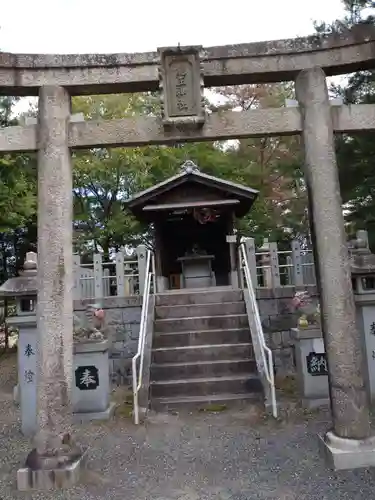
(214, 408)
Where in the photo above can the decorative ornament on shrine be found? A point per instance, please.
(181, 84)
(205, 214)
(189, 167)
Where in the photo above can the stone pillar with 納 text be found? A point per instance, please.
(53, 447)
(349, 402)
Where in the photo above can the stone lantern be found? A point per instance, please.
(24, 290)
(363, 280)
(90, 394)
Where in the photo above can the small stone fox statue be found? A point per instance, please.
(91, 328)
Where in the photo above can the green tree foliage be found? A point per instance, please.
(105, 178)
(357, 12)
(272, 165)
(17, 193)
(17, 202)
(356, 153)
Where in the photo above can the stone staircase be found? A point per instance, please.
(202, 352)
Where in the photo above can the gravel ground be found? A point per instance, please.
(232, 455)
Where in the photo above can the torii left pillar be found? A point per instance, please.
(54, 462)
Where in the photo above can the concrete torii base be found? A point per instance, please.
(345, 454)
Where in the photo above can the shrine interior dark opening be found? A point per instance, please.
(183, 235)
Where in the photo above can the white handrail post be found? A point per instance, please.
(141, 256)
(135, 391)
(263, 352)
(241, 268)
(249, 246)
(145, 286)
(153, 274)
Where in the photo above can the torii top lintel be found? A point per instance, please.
(260, 62)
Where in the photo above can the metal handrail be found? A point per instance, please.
(266, 352)
(137, 376)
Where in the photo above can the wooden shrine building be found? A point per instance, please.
(193, 217)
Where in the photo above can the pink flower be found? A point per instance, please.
(296, 302)
(99, 313)
(301, 299)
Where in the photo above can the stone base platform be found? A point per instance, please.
(100, 415)
(47, 479)
(346, 454)
(314, 403)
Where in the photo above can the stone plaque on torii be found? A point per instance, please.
(181, 85)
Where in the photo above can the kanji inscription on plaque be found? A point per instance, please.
(317, 364)
(181, 83)
(87, 378)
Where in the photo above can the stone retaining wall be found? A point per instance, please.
(277, 320)
(123, 316)
(122, 320)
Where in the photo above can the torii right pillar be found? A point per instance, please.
(349, 444)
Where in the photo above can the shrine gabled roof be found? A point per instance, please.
(191, 173)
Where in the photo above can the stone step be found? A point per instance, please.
(187, 354)
(198, 310)
(202, 337)
(204, 402)
(233, 384)
(174, 371)
(201, 323)
(201, 296)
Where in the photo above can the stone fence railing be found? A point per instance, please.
(120, 276)
(276, 268)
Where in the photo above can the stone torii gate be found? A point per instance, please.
(181, 74)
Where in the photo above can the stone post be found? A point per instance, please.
(265, 258)
(141, 257)
(53, 447)
(251, 259)
(349, 403)
(233, 275)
